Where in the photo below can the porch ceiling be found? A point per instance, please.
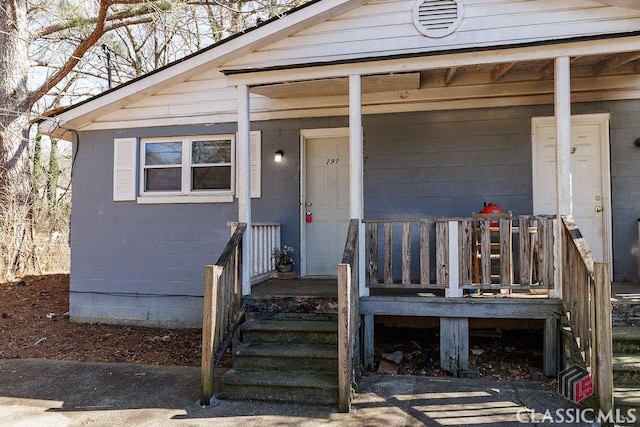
(627, 63)
(340, 86)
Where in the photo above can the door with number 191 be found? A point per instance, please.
(327, 203)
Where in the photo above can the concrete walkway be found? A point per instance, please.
(50, 393)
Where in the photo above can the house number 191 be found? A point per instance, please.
(333, 161)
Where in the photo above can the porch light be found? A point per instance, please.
(278, 156)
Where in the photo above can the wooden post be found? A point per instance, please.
(550, 347)
(368, 340)
(344, 347)
(454, 344)
(244, 183)
(406, 253)
(604, 371)
(356, 171)
(211, 275)
(454, 271)
(425, 254)
(562, 106)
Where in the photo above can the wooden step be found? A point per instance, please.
(626, 362)
(627, 398)
(289, 331)
(274, 386)
(626, 370)
(278, 356)
(625, 333)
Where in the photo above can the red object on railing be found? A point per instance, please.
(491, 208)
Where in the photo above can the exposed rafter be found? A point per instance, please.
(546, 71)
(500, 70)
(614, 62)
(449, 74)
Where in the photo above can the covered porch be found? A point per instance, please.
(443, 266)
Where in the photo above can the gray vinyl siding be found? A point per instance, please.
(143, 264)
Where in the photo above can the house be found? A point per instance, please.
(387, 111)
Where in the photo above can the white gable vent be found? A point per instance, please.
(437, 18)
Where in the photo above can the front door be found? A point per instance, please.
(326, 202)
(590, 199)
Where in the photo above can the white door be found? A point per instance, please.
(326, 204)
(590, 199)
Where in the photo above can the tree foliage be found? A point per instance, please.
(56, 52)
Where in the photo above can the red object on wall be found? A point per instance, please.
(309, 217)
(491, 208)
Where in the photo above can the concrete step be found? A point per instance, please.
(278, 356)
(295, 386)
(289, 331)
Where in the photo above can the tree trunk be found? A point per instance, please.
(15, 174)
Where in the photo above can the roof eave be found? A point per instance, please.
(79, 115)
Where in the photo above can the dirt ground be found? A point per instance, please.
(34, 323)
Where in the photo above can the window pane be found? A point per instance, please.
(162, 179)
(211, 152)
(211, 178)
(163, 153)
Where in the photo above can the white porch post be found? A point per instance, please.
(356, 171)
(244, 183)
(562, 107)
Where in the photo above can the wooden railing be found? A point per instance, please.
(348, 319)
(265, 238)
(586, 298)
(222, 294)
(439, 253)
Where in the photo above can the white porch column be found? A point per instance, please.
(562, 106)
(356, 171)
(244, 182)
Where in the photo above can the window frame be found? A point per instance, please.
(186, 194)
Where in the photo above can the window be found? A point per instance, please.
(187, 165)
(185, 169)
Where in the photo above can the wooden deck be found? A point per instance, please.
(301, 287)
(327, 287)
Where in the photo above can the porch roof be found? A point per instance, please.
(508, 66)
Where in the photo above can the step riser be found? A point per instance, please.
(291, 337)
(626, 378)
(625, 314)
(268, 394)
(329, 317)
(312, 305)
(284, 364)
(626, 347)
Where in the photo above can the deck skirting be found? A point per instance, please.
(454, 314)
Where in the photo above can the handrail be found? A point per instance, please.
(222, 290)
(348, 319)
(586, 298)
